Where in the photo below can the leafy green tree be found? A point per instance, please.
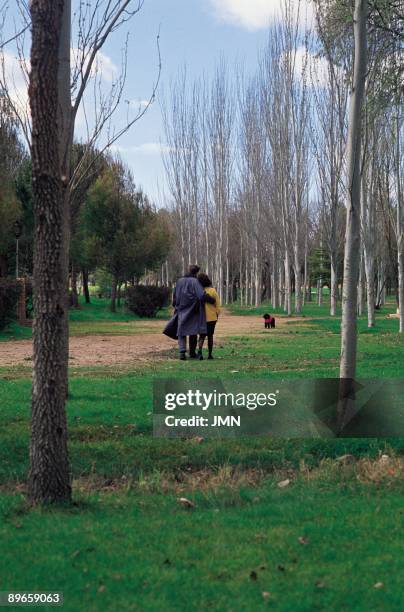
(94, 164)
(11, 156)
(23, 192)
(119, 231)
(111, 223)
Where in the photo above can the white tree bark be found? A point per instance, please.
(352, 238)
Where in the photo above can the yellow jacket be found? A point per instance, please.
(212, 310)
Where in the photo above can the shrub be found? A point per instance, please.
(147, 300)
(9, 292)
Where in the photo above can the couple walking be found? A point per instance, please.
(197, 307)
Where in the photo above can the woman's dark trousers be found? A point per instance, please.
(211, 330)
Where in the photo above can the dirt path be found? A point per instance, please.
(110, 349)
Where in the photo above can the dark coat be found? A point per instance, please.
(171, 329)
(189, 298)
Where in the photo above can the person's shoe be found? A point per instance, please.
(193, 356)
(182, 356)
(210, 357)
(200, 355)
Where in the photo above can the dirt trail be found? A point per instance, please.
(146, 341)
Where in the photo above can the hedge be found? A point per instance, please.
(147, 300)
(9, 292)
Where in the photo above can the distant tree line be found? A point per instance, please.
(114, 226)
(257, 165)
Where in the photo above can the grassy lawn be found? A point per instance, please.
(238, 549)
(94, 318)
(128, 544)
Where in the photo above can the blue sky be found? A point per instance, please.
(192, 32)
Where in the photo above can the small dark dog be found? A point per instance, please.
(269, 321)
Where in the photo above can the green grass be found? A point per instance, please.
(93, 318)
(127, 544)
(15, 332)
(137, 551)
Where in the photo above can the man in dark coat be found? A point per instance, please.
(188, 300)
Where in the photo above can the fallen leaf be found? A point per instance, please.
(346, 459)
(253, 575)
(198, 439)
(319, 584)
(101, 588)
(187, 503)
(234, 371)
(284, 483)
(378, 585)
(266, 594)
(303, 540)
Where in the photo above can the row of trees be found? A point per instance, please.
(114, 227)
(257, 168)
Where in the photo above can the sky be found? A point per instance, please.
(195, 33)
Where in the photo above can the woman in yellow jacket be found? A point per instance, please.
(212, 314)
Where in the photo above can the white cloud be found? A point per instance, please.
(312, 68)
(255, 14)
(103, 65)
(14, 74)
(146, 148)
(138, 103)
(319, 71)
(109, 71)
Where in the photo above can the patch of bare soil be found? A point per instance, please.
(108, 349)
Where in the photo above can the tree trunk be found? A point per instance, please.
(275, 279)
(49, 478)
(114, 294)
(74, 301)
(361, 286)
(334, 286)
(401, 284)
(86, 292)
(3, 266)
(298, 289)
(370, 288)
(65, 139)
(400, 231)
(352, 237)
(319, 292)
(288, 286)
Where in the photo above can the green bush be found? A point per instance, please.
(147, 300)
(9, 292)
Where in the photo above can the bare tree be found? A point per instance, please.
(329, 139)
(352, 238)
